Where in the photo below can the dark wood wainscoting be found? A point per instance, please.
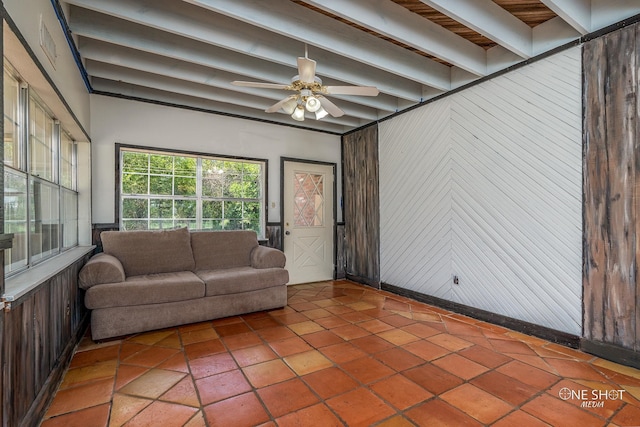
(99, 228)
(40, 331)
(274, 235)
(340, 262)
(611, 192)
(361, 205)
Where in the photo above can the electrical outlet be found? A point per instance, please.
(455, 280)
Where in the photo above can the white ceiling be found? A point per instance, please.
(187, 52)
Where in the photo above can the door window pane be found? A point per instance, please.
(308, 200)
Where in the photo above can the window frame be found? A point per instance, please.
(18, 120)
(54, 242)
(198, 197)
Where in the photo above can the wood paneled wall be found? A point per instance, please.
(39, 335)
(274, 236)
(340, 261)
(361, 205)
(611, 189)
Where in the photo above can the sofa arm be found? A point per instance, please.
(102, 268)
(265, 257)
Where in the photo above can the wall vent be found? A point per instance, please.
(47, 43)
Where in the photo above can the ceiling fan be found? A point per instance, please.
(310, 93)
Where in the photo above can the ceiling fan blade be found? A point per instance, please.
(278, 105)
(351, 90)
(306, 69)
(330, 107)
(259, 84)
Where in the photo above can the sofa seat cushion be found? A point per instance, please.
(241, 279)
(146, 289)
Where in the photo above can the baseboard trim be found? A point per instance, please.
(528, 328)
(611, 352)
(363, 280)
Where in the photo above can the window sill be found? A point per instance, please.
(21, 284)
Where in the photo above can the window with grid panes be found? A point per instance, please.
(161, 190)
(40, 191)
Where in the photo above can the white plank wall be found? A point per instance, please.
(487, 185)
(415, 199)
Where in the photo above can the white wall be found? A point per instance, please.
(84, 193)
(486, 184)
(116, 120)
(65, 74)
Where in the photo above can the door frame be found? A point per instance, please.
(334, 167)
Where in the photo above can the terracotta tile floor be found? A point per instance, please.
(342, 354)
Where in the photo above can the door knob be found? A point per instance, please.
(287, 232)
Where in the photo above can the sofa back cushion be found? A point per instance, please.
(213, 250)
(147, 252)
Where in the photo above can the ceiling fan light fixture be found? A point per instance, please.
(290, 106)
(313, 104)
(310, 93)
(298, 113)
(321, 113)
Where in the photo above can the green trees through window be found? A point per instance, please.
(164, 190)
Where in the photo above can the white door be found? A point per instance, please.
(308, 221)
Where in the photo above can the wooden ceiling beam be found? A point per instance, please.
(400, 24)
(490, 20)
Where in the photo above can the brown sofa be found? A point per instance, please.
(147, 280)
